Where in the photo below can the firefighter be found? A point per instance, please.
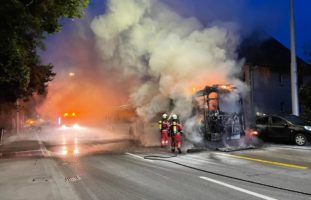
(175, 132)
(164, 128)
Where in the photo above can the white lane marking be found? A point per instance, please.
(43, 149)
(137, 156)
(289, 148)
(238, 188)
(200, 160)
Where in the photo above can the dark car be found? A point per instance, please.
(289, 128)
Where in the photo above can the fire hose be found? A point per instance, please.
(159, 157)
(165, 157)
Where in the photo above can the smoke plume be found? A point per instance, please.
(83, 84)
(168, 55)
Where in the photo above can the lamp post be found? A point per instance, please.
(293, 68)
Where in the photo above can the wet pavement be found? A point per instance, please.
(73, 165)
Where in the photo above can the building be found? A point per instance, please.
(267, 72)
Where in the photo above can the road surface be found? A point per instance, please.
(74, 167)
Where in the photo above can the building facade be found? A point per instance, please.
(267, 73)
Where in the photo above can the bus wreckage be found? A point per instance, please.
(219, 110)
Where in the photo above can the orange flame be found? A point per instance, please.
(251, 132)
(226, 87)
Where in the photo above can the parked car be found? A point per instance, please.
(289, 128)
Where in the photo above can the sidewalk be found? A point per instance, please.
(17, 145)
(34, 179)
(27, 174)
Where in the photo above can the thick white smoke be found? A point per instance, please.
(168, 54)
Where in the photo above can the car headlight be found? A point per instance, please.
(308, 128)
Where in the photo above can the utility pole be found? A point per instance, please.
(293, 66)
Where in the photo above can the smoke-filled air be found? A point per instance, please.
(169, 56)
(141, 54)
(82, 84)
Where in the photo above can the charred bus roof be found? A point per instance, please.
(218, 88)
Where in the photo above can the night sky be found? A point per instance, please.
(270, 15)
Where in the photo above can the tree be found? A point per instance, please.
(305, 99)
(305, 92)
(23, 27)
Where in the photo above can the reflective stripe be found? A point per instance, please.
(160, 125)
(174, 127)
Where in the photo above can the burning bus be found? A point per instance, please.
(220, 113)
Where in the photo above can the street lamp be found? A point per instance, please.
(71, 74)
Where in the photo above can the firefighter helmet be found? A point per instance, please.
(174, 117)
(164, 116)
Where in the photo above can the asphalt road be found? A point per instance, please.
(77, 167)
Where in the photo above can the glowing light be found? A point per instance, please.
(254, 133)
(227, 87)
(59, 120)
(65, 114)
(30, 121)
(251, 133)
(64, 127)
(71, 74)
(76, 126)
(64, 151)
(213, 102)
(76, 150)
(73, 114)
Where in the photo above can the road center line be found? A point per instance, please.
(264, 161)
(137, 156)
(238, 188)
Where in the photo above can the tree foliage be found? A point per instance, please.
(305, 92)
(23, 27)
(305, 99)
